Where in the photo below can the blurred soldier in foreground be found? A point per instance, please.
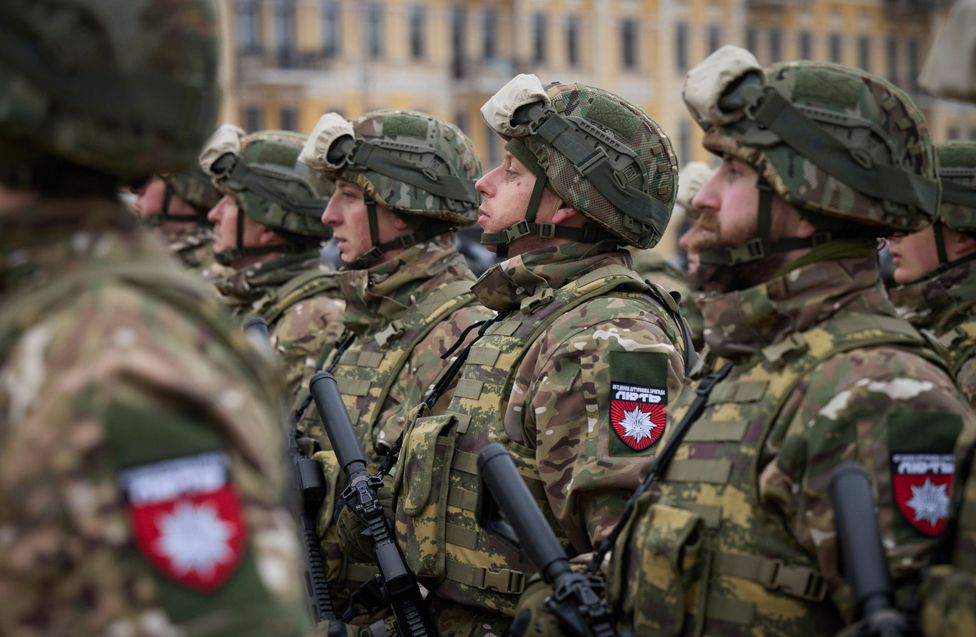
(936, 269)
(737, 537)
(404, 183)
(267, 230)
(176, 204)
(140, 452)
(949, 590)
(575, 371)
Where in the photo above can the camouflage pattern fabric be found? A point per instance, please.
(738, 537)
(538, 381)
(656, 269)
(402, 315)
(945, 305)
(117, 373)
(193, 246)
(299, 330)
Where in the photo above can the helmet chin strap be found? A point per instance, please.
(376, 251)
(227, 257)
(763, 245)
(200, 216)
(589, 233)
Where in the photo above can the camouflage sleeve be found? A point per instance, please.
(562, 404)
(422, 368)
(894, 413)
(301, 333)
(966, 377)
(140, 484)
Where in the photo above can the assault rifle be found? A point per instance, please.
(308, 484)
(398, 585)
(576, 600)
(865, 567)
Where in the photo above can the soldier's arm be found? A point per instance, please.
(587, 466)
(895, 414)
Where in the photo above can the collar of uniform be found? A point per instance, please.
(54, 236)
(939, 302)
(189, 236)
(378, 295)
(743, 322)
(506, 284)
(247, 287)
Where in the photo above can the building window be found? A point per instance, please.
(836, 52)
(681, 46)
(806, 45)
(628, 43)
(684, 142)
(572, 40)
(289, 118)
(331, 28)
(374, 30)
(284, 21)
(489, 33)
(751, 41)
(775, 45)
(418, 19)
(913, 64)
(891, 51)
(253, 120)
(714, 38)
(458, 20)
(248, 26)
(864, 52)
(539, 38)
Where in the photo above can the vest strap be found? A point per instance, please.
(503, 580)
(730, 610)
(798, 581)
(360, 572)
(462, 498)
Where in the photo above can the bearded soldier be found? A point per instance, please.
(267, 230)
(737, 537)
(404, 183)
(575, 371)
(176, 205)
(141, 475)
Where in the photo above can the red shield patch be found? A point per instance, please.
(638, 414)
(187, 519)
(922, 484)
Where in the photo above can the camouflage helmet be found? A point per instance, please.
(832, 140)
(262, 173)
(957, 171)
(407, 161)
(126, 89)
(193, 187)
(599, 153)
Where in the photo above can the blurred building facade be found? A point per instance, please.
(289, 61)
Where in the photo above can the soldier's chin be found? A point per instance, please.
(717, 279)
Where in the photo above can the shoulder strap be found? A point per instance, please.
(304, 286)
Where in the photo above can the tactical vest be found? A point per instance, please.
(960, 343)
(704, 558)
(437, 474)
(305, 286)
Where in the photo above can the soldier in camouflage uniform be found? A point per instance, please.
(272, 249)
(738, 537)
(404, 183)
(936, 266)
(141, 475)
(176, 204)
(574, 372)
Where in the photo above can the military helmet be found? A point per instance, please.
(957, 171)
(194, 187)
(126, 88)
(690, 180)
(599, 153)
(830, 139)
(408, 161)
(262, 173)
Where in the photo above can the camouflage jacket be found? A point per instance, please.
(401, 317)
(193, 245)
(946, 306)
(141, 476)
(656, 269)
(576, 328)
(738, 536)
(302, 302)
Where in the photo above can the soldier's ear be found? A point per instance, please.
(566, 214)
(965, 243)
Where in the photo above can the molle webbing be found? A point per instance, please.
(304, 286)
(960, 342)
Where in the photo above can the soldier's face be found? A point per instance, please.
(223, 216)
(916, 255)
(505, 193)
(729, 204)
(349, 219)
(149, 201)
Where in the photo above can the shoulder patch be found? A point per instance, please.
(922, 484)
(186, 518)
(638, 400)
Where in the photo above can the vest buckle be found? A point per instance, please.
(800, 582)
